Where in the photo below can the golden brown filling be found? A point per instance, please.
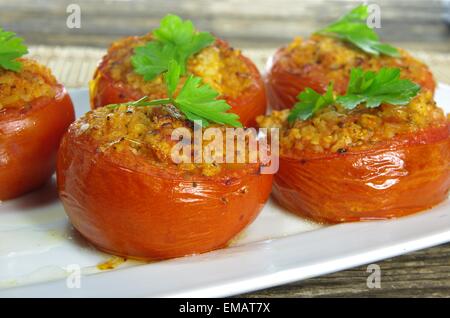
(219, 66)
(146, 132)
(336, 58)
(336, 129)
(18, 89)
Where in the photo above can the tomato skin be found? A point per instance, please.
(250, 104)
(129, 207)
(284, 84)
(29, 141)
(398, 178)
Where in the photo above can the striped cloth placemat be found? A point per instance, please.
(75, 65)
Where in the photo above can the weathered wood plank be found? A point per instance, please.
(420, 274)
(246, 22)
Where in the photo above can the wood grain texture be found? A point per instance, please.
(423, 273)
(249, 23)
(412, 24)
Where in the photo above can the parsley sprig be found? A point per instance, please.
(11, 48)
(353, 28)
(195, 101)
(311, 102)
(198, 101)
(142, 102)
(365, 87)
(175, 39)
(375, 88)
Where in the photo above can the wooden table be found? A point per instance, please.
(255, 24)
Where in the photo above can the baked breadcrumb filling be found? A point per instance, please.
(146, 132)
(335, 58)
(336, 129)
(218, 65)
(18, 89)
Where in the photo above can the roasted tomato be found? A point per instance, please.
(363, 164)
(35, 111)
(123, 193)
(233, 75)
(319, 60)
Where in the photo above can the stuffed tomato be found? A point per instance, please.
(124, 193)
(363, 164)
(320, 60)
(35, 111)
(225, 69)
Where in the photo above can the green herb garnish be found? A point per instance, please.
(310, 102)
(11, 48)
(175, 39)
(353, 28)
(365, 87)
(196, 101)
(373, 89)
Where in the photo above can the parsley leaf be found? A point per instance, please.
(152, 59)
(310, 102)
(174, 39)
(353, 28)
(370, 88)
(198, 101)
(11, 48)
(373, 89)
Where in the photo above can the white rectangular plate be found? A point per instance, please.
(39, 249)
